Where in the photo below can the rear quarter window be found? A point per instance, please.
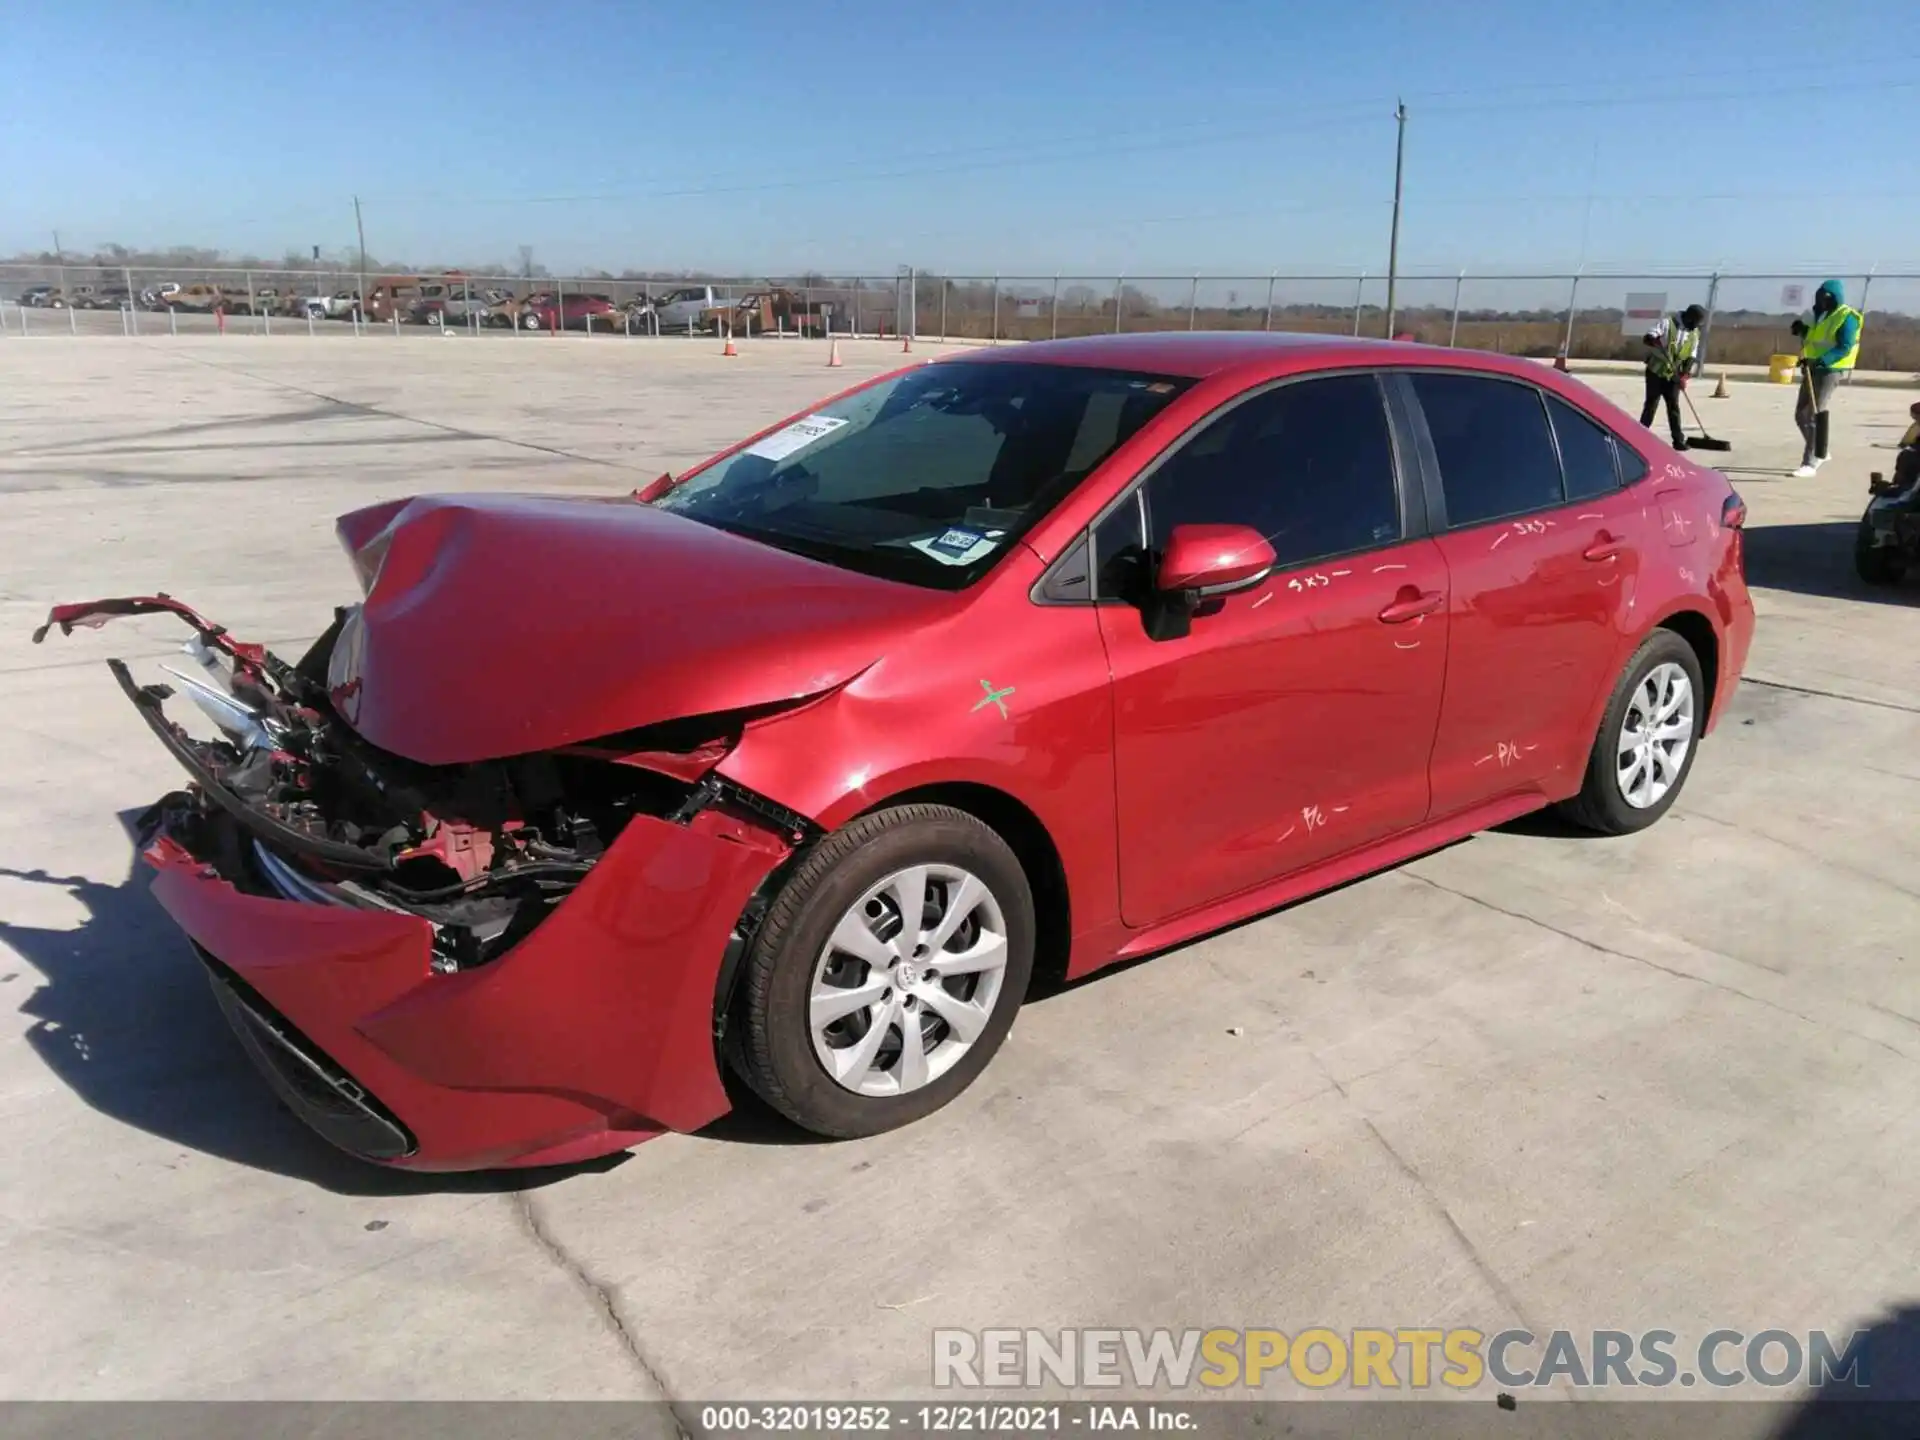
(1633, 468)
(1586, 452)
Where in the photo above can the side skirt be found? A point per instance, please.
(1381, 855)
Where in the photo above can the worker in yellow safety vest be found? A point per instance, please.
(1673, 354)
(1828, 348)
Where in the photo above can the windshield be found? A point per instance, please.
(930, 476)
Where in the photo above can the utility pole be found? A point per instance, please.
(60, 261)
(361, 230)
(1399, 171)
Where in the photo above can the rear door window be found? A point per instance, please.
(1490, 436)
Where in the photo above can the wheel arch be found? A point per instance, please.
(1006, 815)
(1032, 844)
(1694, 627)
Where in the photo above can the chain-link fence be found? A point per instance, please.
(1589, 316)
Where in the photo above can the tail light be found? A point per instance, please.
(1733, 511)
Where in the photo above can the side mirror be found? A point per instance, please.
(1203, 561)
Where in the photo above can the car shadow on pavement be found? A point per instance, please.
(1816, 558)
(1883, 1402)
(124, 1016)
(752, 1121)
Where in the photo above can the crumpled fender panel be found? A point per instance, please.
(592, 1034)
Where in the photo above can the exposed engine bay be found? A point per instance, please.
(289, 802)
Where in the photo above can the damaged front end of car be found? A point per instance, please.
(288, 801)
(425, 965)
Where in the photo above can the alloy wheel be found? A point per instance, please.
(1655, 735)
(908, 980)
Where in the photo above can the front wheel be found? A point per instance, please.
(887, 972)
(1876, 564)
(530, 321)
(1647, 740)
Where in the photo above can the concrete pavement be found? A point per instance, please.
(1658, 1082)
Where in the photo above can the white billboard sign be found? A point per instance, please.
(1644, 311)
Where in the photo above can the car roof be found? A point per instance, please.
(1201, 354)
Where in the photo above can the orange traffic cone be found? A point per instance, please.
(1720, 390)
(906, 343)
(730, 349)
(1560, 360)
(833, 355)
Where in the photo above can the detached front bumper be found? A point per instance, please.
(592, 1034)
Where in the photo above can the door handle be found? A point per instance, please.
(1604, 547)
(1411, 605)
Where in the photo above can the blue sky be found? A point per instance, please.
(1025, 138)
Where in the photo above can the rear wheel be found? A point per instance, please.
(887, 972)
(1876, 564)
(530, 321)
(1647, 740)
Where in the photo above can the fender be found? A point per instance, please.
(884, 736)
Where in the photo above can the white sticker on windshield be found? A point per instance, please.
(959, 546)
(794, 438)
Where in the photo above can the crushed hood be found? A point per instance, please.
(501, 625)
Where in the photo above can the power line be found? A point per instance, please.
(813, 182)
(1796, 65)
(1693, 98)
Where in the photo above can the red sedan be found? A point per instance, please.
(569, 312)
(797, 762)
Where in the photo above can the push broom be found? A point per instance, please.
(1704, 441)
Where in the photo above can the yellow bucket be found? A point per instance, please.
(1780, 369)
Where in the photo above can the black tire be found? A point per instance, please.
(774, 1052)
(1600, 806)
(1876, 564)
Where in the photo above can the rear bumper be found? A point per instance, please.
(592, 1034)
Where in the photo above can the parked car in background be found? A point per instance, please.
(200, 298)
(38, 297)
(340, 305)
(568, 312)
(687, 306)
(108, 297)
(778, 310)
(391, 295)
(470, 304)
(399, 294)
(592, 799)
(154, 297)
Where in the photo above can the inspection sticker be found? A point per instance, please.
(795, 437)
(959, 546)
